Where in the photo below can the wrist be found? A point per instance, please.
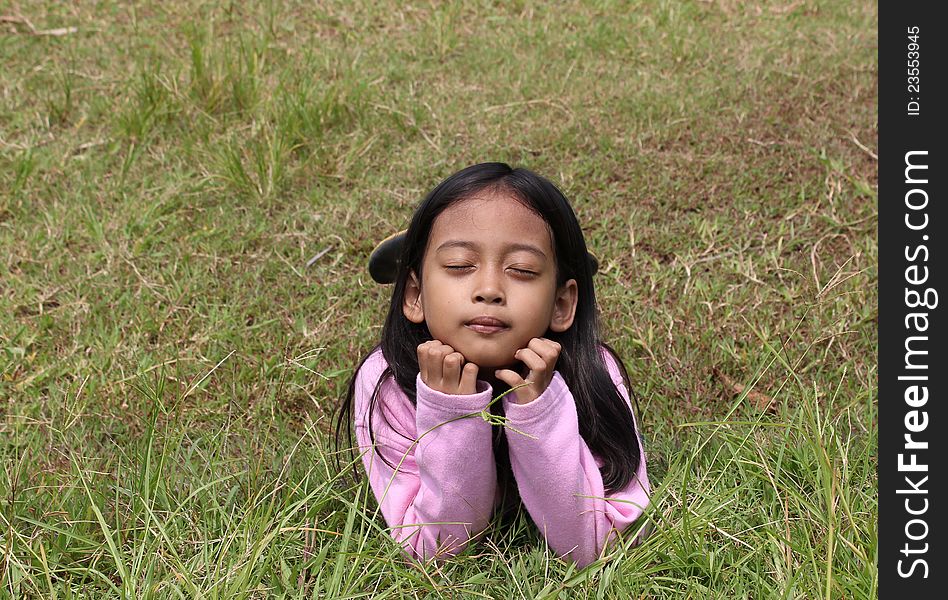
(524, 396)
(544, 396)
(476, 400)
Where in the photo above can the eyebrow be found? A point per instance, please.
(508, 248)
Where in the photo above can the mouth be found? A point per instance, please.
(487, 325)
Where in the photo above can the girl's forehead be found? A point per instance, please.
(491, 218)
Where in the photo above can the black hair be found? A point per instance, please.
(605, 420)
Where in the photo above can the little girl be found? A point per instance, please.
(493, 292)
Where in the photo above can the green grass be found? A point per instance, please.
(169, 363)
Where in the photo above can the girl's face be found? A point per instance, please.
(488, 282)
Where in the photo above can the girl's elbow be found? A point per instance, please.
(583, 556)
(426, 548)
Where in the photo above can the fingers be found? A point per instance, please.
(447, 371)
(451, 371)
(423, 360)
(546, 349)
(426, 363)
(444, 370)
(540, 358)
(431, 361)
(468, 379)
(530, 358)
(511, 378)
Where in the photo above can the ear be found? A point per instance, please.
(411, 304)
(564, 306)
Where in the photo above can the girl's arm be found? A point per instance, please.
(444, 489)
(559, 478)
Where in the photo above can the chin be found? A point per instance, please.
(490, 359)
(486, 365)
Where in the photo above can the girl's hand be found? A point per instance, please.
(540, 357)
(444, 370)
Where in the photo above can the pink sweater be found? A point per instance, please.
(444, 489)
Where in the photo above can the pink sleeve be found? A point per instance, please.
(571, 508)
(443, 489)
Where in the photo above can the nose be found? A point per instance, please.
(488, 288)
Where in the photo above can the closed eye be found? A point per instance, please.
(458, 268)
(524, 272)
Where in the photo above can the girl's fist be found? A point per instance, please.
(444, 370)
(540, 357)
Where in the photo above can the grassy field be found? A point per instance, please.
(188, 196)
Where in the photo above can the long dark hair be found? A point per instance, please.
(605, 421)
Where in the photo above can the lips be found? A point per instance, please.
(487, 325)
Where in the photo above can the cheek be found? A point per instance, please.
(441, 299)
(537, 310)
(437, 310)
(543, 300)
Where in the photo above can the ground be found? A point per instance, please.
(190, 192)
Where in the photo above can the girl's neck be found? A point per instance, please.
(487, 375)
(491, 380)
